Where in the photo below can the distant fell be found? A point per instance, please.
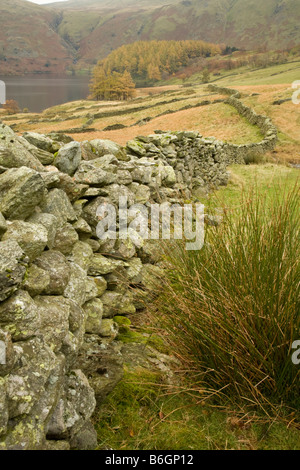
(78, 33)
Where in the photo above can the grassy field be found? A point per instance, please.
(179, 106)
(140, 414)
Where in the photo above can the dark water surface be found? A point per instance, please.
(38, 92)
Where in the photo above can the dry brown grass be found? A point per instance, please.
(218, 120)
(286, 117)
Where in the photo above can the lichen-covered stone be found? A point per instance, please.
(100, 265)
(124, 249)
(102, 362)
(68, 158)
(56, 265)
(12, 268)
(91, 175)
(19, 316)
(58, 204)
(65, 238)
(36, 281)
(7, 355)
(76, 287)
(15, 151)
(93, 312)
(82, 227)
(100, 284)
(58, 445)
(73, 190)
(118, 280)
(81, 254)
(152, 276)
(29, 386)
(74, 408)
(21, 190)
(115, 191)
(124, 177)
(150, 252)
(85, 438)
(4, 412)
(31, 237)
(3, 225)
(134, 270)
(116, 303)
(54, 316)
(141, 193)
(91, 291)
(50, 222)
(105, 147)
(136, 147)
(39, 140)
(108, 329)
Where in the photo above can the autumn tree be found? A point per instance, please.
(205, 76)
(111, 85)
(11, 107)
(149, 61)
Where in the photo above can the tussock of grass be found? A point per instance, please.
(232, 309)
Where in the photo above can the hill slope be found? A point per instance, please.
(28, 40)
(83, 31)
(248, 24)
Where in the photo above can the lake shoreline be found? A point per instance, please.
(37, 92)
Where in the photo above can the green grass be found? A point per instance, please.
(231, 310)
(247, 75)
(270, 178)
(274, 75)
(139, 415)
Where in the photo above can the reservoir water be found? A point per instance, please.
(38, 92)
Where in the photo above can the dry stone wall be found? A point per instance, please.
(264, 123)
(61, 288)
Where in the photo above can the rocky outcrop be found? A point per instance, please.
(61, 287)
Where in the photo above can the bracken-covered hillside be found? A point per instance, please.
(80, 32)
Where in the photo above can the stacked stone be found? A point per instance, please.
(61, 287)
(238, 153)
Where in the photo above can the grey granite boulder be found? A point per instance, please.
(32, 238)
(36, 281)
(58, 204)
(104, 147)
(76, 287)
(15, 151)
(39, 140)
(69, 158)
(20, 316)
(93, 312)
(92, 175)
(12, 268)
(3, 225)
(56, 265)
(65, 238)
(21, 190)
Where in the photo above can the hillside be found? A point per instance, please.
(78, 33)
(118, 4)
(184, 105)
(271, 24)
(28, 40)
